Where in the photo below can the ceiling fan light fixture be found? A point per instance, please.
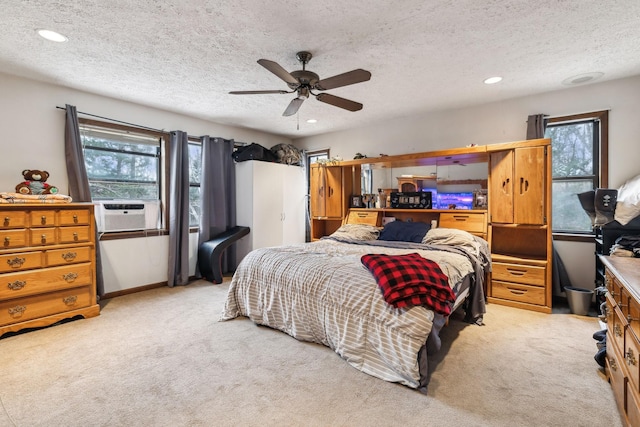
(492, 80)
(52, 36)
(312, 121)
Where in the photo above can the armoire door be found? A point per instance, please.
(501, 191)
(333, 194)
(529, 186)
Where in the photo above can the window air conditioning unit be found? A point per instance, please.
(127, 215)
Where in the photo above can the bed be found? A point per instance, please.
(325, 292)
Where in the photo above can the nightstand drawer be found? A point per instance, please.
(13, 285)
(526, 274)
(471, 222)
(516, 292)
(20, 261)
(36, 306)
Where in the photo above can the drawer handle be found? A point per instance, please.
(75, 237)
(70, 300)
(617, 330)
(17, 285)
(516, 272)
(43, 238)
(70, 277)
(6, 221)
(631, 358)
(69, 256)
(75, 219)
(460, 217)
(17, 311)
(613, 364)
(16, 262)
(7, 240)
(43, 220)
(517, 291)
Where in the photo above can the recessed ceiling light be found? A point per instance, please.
(312, 121)
(52, 36)
(492, 80)
(582, 78)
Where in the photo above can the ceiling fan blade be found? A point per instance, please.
(344, 79)
(339, 102)
(276, 69)
(256, 92)
(293, 107)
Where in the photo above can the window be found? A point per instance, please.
(579, 158)
(122, 162)
(195, 176)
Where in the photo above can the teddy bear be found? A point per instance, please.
(35, 183)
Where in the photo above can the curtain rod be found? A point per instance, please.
(236, 144)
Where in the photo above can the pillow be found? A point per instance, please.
(357, 232)
(404, 231)
(452, 236)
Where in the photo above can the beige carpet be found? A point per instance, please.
(161, 358)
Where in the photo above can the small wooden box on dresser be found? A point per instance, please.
(47, 264)
(622, 279)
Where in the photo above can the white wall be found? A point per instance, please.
(503, 122)
(33, 138)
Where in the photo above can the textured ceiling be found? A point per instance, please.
(186, 55)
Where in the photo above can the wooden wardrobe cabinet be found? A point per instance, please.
(518, 186)
(47, 264)
(520, 224)
(326, 186)
(330, 189)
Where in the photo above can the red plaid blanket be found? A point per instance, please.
(408, 280)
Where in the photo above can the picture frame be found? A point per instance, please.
(356, 202)
(480, 199)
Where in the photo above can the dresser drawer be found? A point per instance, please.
(74, 234)
(10, 239)
(10, 219)
(36, 306)
(68, 256)
(74, 217)
(631, 358)
(43, 236)
(526, 274)
(517, 292)
(473, 223)
(20, 261)
(14, 285)
(617, 326)
(614, 364)
(43, 218)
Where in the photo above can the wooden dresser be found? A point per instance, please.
(47, 264)
(622, 278)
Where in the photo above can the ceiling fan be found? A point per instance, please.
(304, 82)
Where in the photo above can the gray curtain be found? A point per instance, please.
(218, 195)
(536, 125)
(178, 273)
(78, 181)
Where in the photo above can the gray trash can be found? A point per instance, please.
(579, 300)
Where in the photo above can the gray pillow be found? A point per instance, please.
(357, 232)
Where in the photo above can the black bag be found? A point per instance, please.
(254, 151)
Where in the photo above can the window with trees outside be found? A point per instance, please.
(195, 174)
(579, 158)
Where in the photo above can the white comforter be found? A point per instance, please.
(321, 292)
